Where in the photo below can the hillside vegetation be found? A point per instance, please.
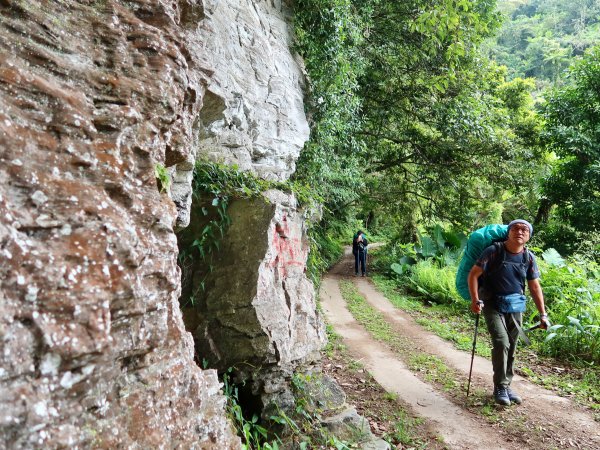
(424, 112)
(539, 38)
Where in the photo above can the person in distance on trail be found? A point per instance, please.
(359, 250)
(497, 287)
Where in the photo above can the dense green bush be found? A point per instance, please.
(428, 266)
(434, 281)
(394, 259)
(572, 293)
(438, 245)
(325, 250)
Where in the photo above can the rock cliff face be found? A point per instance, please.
(253, 113)
(93, 95)
(256, 311)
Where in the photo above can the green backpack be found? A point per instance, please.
(478, 241)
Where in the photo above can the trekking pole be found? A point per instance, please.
(473, 351)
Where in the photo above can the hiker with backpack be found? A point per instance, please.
(496, 284)
(359, 250)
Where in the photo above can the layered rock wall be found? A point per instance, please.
(253, 111)
(95, 96)
(93, 352)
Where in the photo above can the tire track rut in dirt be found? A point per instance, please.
(545, 420)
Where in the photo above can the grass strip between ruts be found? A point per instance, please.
(448, 322)
(432, 368)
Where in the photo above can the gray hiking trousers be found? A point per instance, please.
(505, 336)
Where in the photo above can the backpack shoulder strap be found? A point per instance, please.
(500, 251)
(498, 257)
(527, 257)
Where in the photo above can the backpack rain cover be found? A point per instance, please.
(478, 241)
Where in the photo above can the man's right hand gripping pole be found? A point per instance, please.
(476, 306)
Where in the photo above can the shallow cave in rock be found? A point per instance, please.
(195, 273)
(249, 402)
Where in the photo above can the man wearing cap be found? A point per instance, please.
(497, 277)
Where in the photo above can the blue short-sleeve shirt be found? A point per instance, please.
(507, 276)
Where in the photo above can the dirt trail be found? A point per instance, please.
(544, 420)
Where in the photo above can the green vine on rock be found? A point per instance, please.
(214, 186)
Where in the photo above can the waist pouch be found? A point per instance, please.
(512, 303)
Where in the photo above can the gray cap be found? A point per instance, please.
(514, 222)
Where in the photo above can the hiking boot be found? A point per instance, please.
(356, 274)
(501, 396)
(513, 396)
